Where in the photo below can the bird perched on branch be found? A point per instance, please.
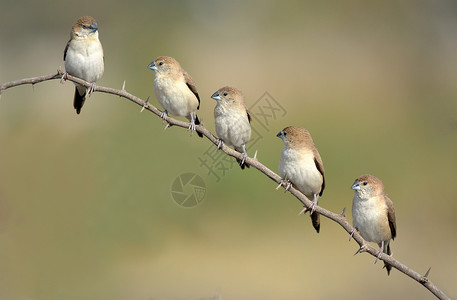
(84, 58)
(175, 90)
(301, 165)
(373, 214)
(232, 120)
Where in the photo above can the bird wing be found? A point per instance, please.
(65, 51)
(391, 217)
(320, 167)
(191, 85)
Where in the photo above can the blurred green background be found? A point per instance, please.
(85, 204)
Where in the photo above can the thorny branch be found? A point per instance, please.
(338, 218)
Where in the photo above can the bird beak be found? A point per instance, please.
(356, 186)
(279, 135)
(152, 66)
(93, 27)
(216, 96)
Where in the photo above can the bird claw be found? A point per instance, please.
(286, 183)
(378, 255)
(245, 155)
(164, 115)
(352, 233)
(219, 144)
(64, 77)
(312, 208)
(191, 127)
(308, 209)
(92, 88)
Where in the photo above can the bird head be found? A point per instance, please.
(367, 186)
(228, 95)
(85, 27)
(163, 64)
(294, 136)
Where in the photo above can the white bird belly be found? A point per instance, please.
(370, 221)
(175, 97)
(85, 62)
(233, 128)
(301, 170)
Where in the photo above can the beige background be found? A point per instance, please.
(85, 205)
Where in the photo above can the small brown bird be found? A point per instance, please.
(373, 214)
(84, 58)
(302, 165)
(232, 120)
(175, 90)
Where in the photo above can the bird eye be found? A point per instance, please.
(225, 94)
(284, 133)
(365, 183)
(161, 63)
(85, 27)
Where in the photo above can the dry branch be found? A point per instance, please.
(338, 218)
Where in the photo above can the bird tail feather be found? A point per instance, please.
(386, 265)
(197, 122)
(316, 220)
(80, 98)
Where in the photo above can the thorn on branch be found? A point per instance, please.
(255, 156)
(123, 87)
(428, 272)
(303, 211)
(424, 279)
(362, 249)
(166, 126)
(343, 213)
(145, 105)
